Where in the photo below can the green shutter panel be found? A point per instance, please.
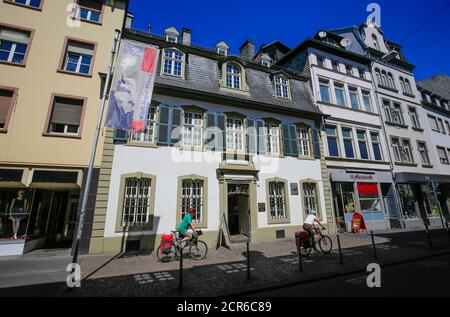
(316, 143)
(163, 125)
(287, 146)
(120, 135)
(221, 137)
(293, 137)
(210, 131)
(261, 137)
(251, 136)
(176, 125)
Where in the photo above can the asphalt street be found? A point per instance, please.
(429, 277)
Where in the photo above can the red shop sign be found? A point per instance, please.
(368, 190)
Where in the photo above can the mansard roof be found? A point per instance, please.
(438, 84)
(203, 73)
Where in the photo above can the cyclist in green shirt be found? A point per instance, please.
(185, 224)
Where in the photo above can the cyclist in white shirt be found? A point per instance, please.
(310, 222)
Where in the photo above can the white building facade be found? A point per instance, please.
(356, 151)
(226, 136)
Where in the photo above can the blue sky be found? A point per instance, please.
(422, 27)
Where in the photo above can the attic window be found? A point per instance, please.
(221, 51)
(171, 39)
(330, 41)
(265, 63)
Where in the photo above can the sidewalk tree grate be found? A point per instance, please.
(234, 268)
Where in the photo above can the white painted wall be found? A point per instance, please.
(165, 164)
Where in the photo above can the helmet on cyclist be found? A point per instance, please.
(313, 212)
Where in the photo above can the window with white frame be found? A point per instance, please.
(441, 125)
(443, 157)
(423, 150)
(282, 87)
(376, 147)
(192, 129)
(78, 57)
(136, 201)
(173, 63)
(13, 45)
(310, 198)
(367, 101)
(362, 143)
(324, 90)
(277, 200)
(148, 135)
(235, 134)
(66, 116)
(335, 65)
(391, 83)
(361, 73)
(90, 10)
(433, 123)
(28, 3)
(233, 76)
(320, 61)
(303, 141)
(349, 70)
(332, 140)
(339, 93)
(272, 133)
(384, 80)
(402, 150)
(408, 87)
(414, 117)
(393, 112)
(192, 196)
(354, 98)
(347, 137)
(378, 76)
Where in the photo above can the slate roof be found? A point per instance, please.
(203, 71)
(438, 84)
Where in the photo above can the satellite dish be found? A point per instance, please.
(322, 34)
(345, 42)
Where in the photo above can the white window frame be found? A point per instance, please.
(232, 76)
(355, 92)
(277, 200)
(310, 197)
(89, 13)
(366, 96)
(303, 141)
(340, 87)
(423, 151)
(235, 134)
(141, 195)
(282, 87)
(192, 129)
(272, 138)
(173, 61)
(325, 83)
(414, 117)
(443, 160)
(149, 134)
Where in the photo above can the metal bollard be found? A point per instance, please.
(248, 260)
(180, 281)
(428, 236)
(373, 246)
(341, 259)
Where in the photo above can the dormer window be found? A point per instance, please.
(171, 35)
(221, 48)
(265, 63)
(173, 63)
(234, 76)
(265, 60)
(282, 87)
(329, 41)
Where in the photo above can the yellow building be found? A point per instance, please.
(53, 59)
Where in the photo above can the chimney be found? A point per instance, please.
(186, 37)
(247, 50)
(149, 28)
(129, 20)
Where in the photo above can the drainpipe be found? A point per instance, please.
(391, 161)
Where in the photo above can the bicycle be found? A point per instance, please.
(197, 248)
(305, 243)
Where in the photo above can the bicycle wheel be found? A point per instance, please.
(325, 244)
(198, 250)
(305, 250)
(166, 256)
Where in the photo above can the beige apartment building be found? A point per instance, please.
(53, 59)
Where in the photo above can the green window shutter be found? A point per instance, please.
(316, 142)
(176, 125)
(210, 131)
(163, 124)
(221, 120)
(261, 137)
(287, 146)
(251, 136)
(120, 135)
(293, 138)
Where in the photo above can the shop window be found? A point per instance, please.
(14, 213)
(370, 202)
(407, 199)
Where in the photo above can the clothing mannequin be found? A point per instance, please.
(17, 212)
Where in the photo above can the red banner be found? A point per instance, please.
(368, 190)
